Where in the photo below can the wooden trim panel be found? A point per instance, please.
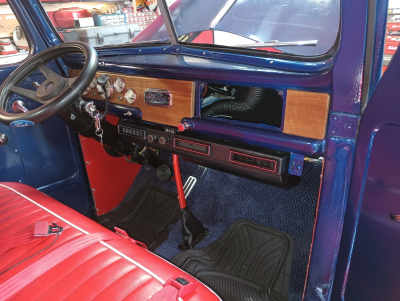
(306, 114)
(183, 93)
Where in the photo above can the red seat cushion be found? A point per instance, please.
(115, 270)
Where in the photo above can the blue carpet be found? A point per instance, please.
(219, 199)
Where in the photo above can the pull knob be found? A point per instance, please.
(184, 126)
(19, 107)
(3, 139)
(151, 138)
(163, 140)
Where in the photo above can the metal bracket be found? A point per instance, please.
(296, 164)
(343, 125)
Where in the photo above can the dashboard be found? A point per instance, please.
(167, 110)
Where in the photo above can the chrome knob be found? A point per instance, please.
(3, 139)
(151, 138)
(19, 107)
(163, 140)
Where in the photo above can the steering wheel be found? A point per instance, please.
(56, 93)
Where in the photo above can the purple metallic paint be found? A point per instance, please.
(343, 125)
(330, 213)
(373, 195)
(348, 69)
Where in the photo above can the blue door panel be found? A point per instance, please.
(374, 269)
(46, 156)
(46, 153)
(368, 265)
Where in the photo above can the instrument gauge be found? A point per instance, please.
(93, 83)
(119, 85)
(130, 96)
(86, 91)
(109, 86)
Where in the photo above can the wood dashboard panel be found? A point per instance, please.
(306, 114)
(183, 94)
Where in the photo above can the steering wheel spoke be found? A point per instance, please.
(47, 72)
(25, 92)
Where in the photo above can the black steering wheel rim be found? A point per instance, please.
(64, 98)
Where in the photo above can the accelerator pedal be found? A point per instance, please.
(146, 216)
(249, 262)
(189, 184)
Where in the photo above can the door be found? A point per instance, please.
(368, 263)
(46, 156)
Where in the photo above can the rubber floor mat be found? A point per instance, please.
(146, 216)
(248, 262)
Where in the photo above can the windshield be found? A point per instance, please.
(299, 27)
(306, 27)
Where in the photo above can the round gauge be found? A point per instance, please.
(119, 85)
(93, 83)
(130, 96)
(109, 86)
(86, 91)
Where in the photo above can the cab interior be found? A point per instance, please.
(231, 162)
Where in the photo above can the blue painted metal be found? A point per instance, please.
(261, 137)
(331, 209)
(46, 156)
(368, 263)
(348, 69)
(343, 125)
(130, 62)
(296, 164)
(44, 29)
(379, 44)
(267, 62)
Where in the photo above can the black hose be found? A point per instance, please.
(228, 106)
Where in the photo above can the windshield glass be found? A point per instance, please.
(102, 23)
(306, 27)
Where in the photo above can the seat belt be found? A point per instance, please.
(42, 230)
(174, 288)
(48, 261)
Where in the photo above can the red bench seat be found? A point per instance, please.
(115, 269)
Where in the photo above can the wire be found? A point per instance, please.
(45, 248)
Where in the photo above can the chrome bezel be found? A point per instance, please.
(126, 96)
(158, 103)
(86, 92)
(111, 87)
(94, 82)
(123, 85)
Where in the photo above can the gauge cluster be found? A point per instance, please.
(113, 86)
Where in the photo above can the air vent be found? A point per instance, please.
(253, 161)
(132, 132)
(191, 146)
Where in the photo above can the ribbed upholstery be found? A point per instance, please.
(94, 273)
